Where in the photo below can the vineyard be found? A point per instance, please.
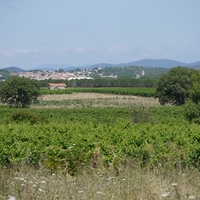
(145, 92)
(72, 140)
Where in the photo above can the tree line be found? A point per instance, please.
(104, 82)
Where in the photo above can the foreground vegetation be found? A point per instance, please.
(70, 139)
(132, 183)
(131, 152)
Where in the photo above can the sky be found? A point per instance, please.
(84, 32)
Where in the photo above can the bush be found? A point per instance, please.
(21, 116)
(192, 111)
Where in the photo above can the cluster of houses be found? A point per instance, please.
(55, 75)
(45, 75)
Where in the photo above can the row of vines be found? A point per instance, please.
(145, 92)
(71, 139)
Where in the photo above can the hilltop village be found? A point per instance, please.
(69, 75)
(44, 75)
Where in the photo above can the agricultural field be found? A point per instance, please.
(85, 145)
(145, 92)
(85, 100)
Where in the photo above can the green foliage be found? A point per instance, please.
(173, 86)
(21, 116)
(194, 91)
(98, 137)
(19, 92)
(144, 81)
(142, 114)
(192, 111)
(113, 82)
(4, 74)
(145, 92)
(192, 107)
(45, 91)
(61, 70)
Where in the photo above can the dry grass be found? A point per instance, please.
(95, 100)
(132, 183)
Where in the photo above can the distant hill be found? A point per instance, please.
(195, 65)
(102, 65)
(14, 69)
(52, 67)
(129, 71)
(163, 63)
(160, 63)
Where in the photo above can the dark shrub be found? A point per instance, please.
(21, 116)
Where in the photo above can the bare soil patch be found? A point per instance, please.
(100, 100)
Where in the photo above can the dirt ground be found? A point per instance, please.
(103, 99)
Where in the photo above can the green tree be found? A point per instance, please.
(173, 87)
(194, 91)
(192, 106)
(61, 70)
(19, 91)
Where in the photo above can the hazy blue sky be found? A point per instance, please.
(79, 32)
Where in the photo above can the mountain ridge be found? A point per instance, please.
(163, 63)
